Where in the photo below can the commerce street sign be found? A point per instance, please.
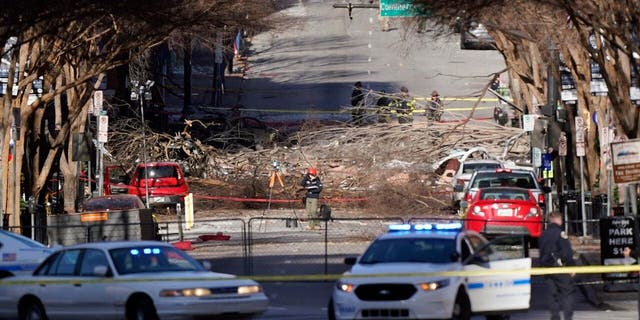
(401, 8)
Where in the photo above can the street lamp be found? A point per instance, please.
(143, 93)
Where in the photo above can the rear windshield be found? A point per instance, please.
(104, 204)
(504, 194)
(159, 172)
(504, 179)
(471, 167)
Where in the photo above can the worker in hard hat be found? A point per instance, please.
(313, 186)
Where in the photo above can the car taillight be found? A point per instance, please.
(501, 170)
(467, 197)
(533, 212)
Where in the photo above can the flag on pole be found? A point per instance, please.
(236, 43)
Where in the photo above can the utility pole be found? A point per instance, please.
(142, 93)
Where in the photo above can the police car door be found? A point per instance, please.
(501, 291)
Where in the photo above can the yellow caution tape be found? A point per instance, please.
(333, 277)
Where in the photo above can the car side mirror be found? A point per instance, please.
(546, 189)
(458, 188)
(350, 261)
(464, 204)
(454, 257)
(101, 271)
(207, 265)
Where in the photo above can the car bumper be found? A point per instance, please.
(422, 305)
(187, 308)
(532, 228)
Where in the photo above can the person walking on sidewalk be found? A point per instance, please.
(556, 251)
(311, 182)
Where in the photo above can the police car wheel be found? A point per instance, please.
(33, 311)
(499, 317)
(461, 307)
(331, 311)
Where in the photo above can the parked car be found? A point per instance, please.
(383, 284)
(127, 280)
(465, 170)
(165, 181)
(113, 203)
(474, 35)
(521, 178)
(504, 210)
(20, 255)
(115, 180)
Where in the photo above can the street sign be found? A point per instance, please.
(617, 233)
(97, 102)
(401, 8)
(581, 149)
(562, 145)
(103, 127)
(546, 161)
(528, 121)
(625, 157)
(536, 155)
(579, 130)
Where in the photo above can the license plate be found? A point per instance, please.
(505, 212)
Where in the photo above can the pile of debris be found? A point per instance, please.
(391, 165)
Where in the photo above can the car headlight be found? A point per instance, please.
(434, 285)
(344, 286)
(195, 292)
(478, 211)
(249, 289)
(533, 212)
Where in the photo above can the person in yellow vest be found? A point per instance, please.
(405, 104)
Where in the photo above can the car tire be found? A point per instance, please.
(461, 307)
(498, 317)
(143, 309)
(33, 311)
(331, 310)
(5, 274)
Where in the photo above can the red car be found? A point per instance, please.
(165, 182)
(504, 210)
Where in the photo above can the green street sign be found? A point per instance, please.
(401, 8)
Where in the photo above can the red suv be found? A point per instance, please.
(165, 180)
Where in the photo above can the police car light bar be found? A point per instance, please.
(450, 226)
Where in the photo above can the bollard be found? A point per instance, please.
(179, 213)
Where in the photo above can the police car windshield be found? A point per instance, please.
(420, 250)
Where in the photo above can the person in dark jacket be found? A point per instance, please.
(384, 108)
(556, 251)
(311, 182)
(357, 102)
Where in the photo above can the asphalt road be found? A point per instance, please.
(308, 300)
(313, 64)
(306, 70)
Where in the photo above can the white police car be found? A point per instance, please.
(20, 255)
(390, 280)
